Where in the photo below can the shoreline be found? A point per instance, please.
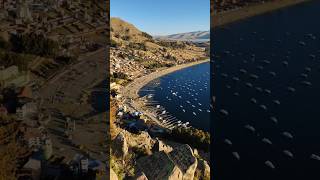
(232, 16)
(134, 87)
(130, 92)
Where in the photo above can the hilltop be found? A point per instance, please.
(122, 31)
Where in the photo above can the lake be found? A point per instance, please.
(266, 77)
(184, 94)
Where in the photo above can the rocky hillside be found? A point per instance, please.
(189, 36)
(140, 156)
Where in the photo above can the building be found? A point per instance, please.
(23, 11)
(11, 75)
(27, 111)
(33, 137)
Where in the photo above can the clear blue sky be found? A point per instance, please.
(164, 17)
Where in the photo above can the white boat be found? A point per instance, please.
(269, 164)
(267, 141)
(224, 112)
(288, 153)
(274, 119)
(302, 43)
(287, 134)
(236, 155)
(315, 157)
(264, 107)
(227, 141)
(277, 102)
(251, 128)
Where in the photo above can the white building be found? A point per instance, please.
(27, 111)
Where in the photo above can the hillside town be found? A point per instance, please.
(134, 53)
(141, 146)
(45, 45)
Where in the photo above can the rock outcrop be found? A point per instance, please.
(161, 146)
(184, 158)
(120, 146)
(142, 140)
(159, 166)
(202, 171)
(179, 163)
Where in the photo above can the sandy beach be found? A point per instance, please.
(224, 18)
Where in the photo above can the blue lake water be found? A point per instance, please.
(184, 94)
(266, 76)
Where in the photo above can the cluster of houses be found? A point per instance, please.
(18, 102)
(135, 62)
(69, 22)
(122, 61)
(55, 18)
(136, 122)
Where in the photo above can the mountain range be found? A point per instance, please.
(188, 36)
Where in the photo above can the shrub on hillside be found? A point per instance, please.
(172, 44)
(153, 65)
(119, 75)
(192, 136)
(125, 38)
(113, 43)
(139, 46)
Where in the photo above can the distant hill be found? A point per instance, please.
(193, 36)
